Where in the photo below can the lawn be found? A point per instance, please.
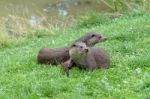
(128, 78)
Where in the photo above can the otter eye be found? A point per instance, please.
(100, 36)
(92, 35)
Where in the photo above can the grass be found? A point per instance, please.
(128, 78)
(119, 5)
(14, 28)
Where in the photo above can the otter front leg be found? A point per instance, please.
(90, 66)
(67, 65)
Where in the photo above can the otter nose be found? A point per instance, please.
(86, 50)
(105, 38)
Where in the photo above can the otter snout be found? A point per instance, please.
(104, 38)
(86, 50)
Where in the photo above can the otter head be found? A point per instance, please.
(78, 49)
(92, 38)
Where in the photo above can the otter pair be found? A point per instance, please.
(59, 55)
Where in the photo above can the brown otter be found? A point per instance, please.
(85, 57)
(58, 55)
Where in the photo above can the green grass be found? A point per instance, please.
(128, 78)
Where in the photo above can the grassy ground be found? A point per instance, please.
(128, 78)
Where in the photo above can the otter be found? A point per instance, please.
(85, 57)
(54, 56)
